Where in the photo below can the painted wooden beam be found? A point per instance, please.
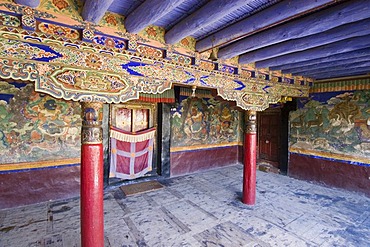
(332, 58)
(271, 16)
(206, 15)
(316, 66)
(94, 10)
(321, 21)
(318, 52)
(357, 65)
(30, 3)
(354, 29)
(335, 74)
(148, 13)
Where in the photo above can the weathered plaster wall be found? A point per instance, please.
(329, 140)
(205, 133)
(39, 146)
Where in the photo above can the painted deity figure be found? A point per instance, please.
(194, 124)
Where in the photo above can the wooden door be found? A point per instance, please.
(269, 137)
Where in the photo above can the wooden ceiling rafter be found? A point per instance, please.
(94, 10)
(309, 25)
(343, 46)
(359, 65)
(208, 14)
(148, 13)
(342, 72)
(272, 16)
(29, 3)
(353, 55)
(351, 30)
(344, 62)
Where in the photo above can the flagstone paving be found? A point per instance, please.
(203, 209)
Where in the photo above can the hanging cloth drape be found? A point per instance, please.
(167, 96)
(131, 153)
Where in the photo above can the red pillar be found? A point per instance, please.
(92, 221)
(250, 156)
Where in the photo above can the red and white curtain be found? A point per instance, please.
(131, 153)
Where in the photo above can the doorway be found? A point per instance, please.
(133, 143)
(269, 136)
(273, 135)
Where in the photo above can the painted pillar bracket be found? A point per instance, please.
(92, 217)
(250, 157)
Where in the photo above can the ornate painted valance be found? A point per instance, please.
(341, 85)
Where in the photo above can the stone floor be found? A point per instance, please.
(204, 210)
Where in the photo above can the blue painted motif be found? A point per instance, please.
(242, 86)
(132, 64)
(46, 49)
(110, 42)
(202, 80)
(228, 69)
(265, 88)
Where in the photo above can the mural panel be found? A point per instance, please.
(204, 122)
(337, 124)
(36, 127)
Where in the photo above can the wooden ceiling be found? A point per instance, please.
(313, 38)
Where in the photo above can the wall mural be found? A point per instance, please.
(333, 123)
(204, 121)
(36, 127)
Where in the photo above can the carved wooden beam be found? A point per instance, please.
(344, 62)
(321, 21)
(149, 12)
(208, 14)
(94, 10)
(318, 52)
(354, 29)
(271, 16)
(333, 58)
(30, 3)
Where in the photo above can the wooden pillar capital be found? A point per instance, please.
(251, 126)
(92, 116)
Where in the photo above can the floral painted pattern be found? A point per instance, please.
(113, 20)
(59, 30)
(71, 8)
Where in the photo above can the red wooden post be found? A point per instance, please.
(250, 156)
(92, 221)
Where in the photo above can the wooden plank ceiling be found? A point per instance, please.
(313, 38)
